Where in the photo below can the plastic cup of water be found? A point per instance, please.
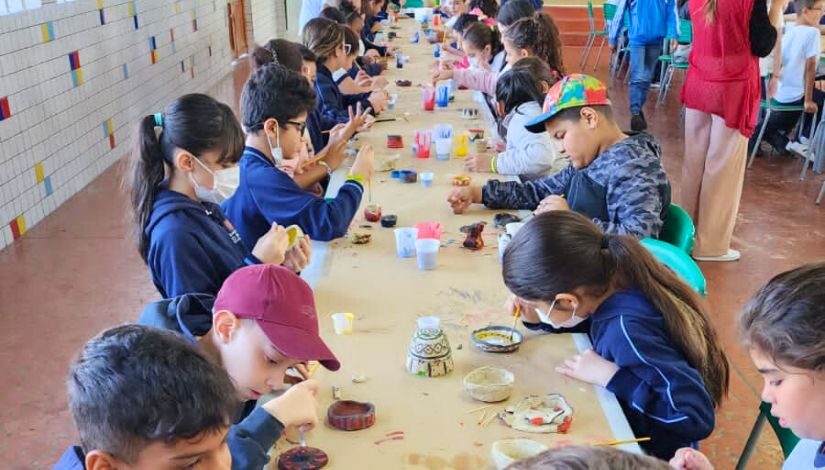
(426, 251)
(405, 241)
(443, 147)
(426, 178)
(342, 322)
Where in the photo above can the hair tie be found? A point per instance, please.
(605, 242)
(159, 120)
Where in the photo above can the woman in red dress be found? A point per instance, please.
(721, 95)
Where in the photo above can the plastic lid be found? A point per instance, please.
(428, 323)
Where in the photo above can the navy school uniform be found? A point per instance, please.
(661, 394)
(192, 246)
(267, 194)
(334, 104)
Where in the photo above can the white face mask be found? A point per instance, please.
(226, 182)
(569, 323)
(277, 153)
(473, 62)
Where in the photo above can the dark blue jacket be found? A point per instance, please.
(255, 431)
(267, 194)
(317, 123)
(662, 395)
(192, 246)
(368, 37)
(334, 104)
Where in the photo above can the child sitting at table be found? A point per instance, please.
(274, 105)
(262, 323)
(326, 40)
(654, 346)
(519, 94)
(352, 80)
(141, 397)
(783, 326)
(614, 179)
(801, 49)
(456, 48)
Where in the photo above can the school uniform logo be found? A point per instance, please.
(233, 234)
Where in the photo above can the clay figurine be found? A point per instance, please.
(429, 354)
(303, 458)
(474, 241)
(360, 238)
(461, 180)
(502, 219)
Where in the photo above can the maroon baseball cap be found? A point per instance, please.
(283, 306)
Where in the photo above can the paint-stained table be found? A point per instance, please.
(428, 416)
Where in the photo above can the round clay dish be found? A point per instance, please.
(302, 458)
(496, 339)
(348, 415)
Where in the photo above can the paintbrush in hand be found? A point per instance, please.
(515, 321)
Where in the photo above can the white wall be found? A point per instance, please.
(56, 138)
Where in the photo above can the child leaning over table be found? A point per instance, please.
(616, 180)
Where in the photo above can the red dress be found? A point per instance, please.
(723, 77)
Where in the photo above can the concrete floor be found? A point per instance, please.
(78, 272)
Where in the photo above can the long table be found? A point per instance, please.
(387, 294)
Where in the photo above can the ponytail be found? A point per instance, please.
(278, 51)
(195, 123)
(480, 35)
(523, 83)
(561, 251)
(539, 34)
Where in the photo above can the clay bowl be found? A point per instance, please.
(302, 458)
(496, 339)
(507, 451)
(489, 384)
(348, 415)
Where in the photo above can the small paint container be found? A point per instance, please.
(395, 174)
(409, 176)
(342, 322)
(426, 178)
(389, 221)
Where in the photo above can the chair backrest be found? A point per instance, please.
(590, 17)
(685, 31)
(787, 439)
(609, 11)
(679, 262)
(678, 230)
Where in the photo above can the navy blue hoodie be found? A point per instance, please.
(334, 104)
(192, 246)
(267, 194)
(255, 431)
(661, 394)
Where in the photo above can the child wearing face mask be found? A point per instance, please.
(519, 94)
(615, 179)
(274, 104)
(486, 56)
(326, 40)
(783, 326)
(183, 167)
(654, 346)
(262, 323)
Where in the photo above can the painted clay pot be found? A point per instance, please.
(429, 354)
(351, 415)
(303, 458)
(372, 213)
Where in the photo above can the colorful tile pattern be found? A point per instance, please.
(47, 31)
(5, 111)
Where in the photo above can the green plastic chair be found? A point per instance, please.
(679, 262)
(608, 11)
(679, 230)
(685, 36)
(787, 439)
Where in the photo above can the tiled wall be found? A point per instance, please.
(74, 79)
(267, 20)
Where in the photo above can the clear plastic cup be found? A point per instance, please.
(426, 252)
(405, 241)
(342, 322)
(426, 178)
(443, 147)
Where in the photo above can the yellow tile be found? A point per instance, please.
(79, 73)
(109, 126)
(99, 4)
(38, 170)
(131, 9)
(44, 32)
(21, 224)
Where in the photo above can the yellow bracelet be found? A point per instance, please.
(357, 178)
(493, 164)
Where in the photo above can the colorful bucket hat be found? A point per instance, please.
(572, 91)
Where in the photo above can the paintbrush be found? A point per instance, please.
(303, 439)
(386, 119)
(515, 321)
(312, 162)
(622, 441)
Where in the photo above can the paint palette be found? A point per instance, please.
(496, 339)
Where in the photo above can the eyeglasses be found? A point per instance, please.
(300, 126)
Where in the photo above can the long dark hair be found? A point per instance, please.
(488, 7)
(195, 123)
(278, 51)
(539, 34)
(513, 11)
(523, 83)
(463, 22)
(481, 35)
(561, 251)
(786, 318)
